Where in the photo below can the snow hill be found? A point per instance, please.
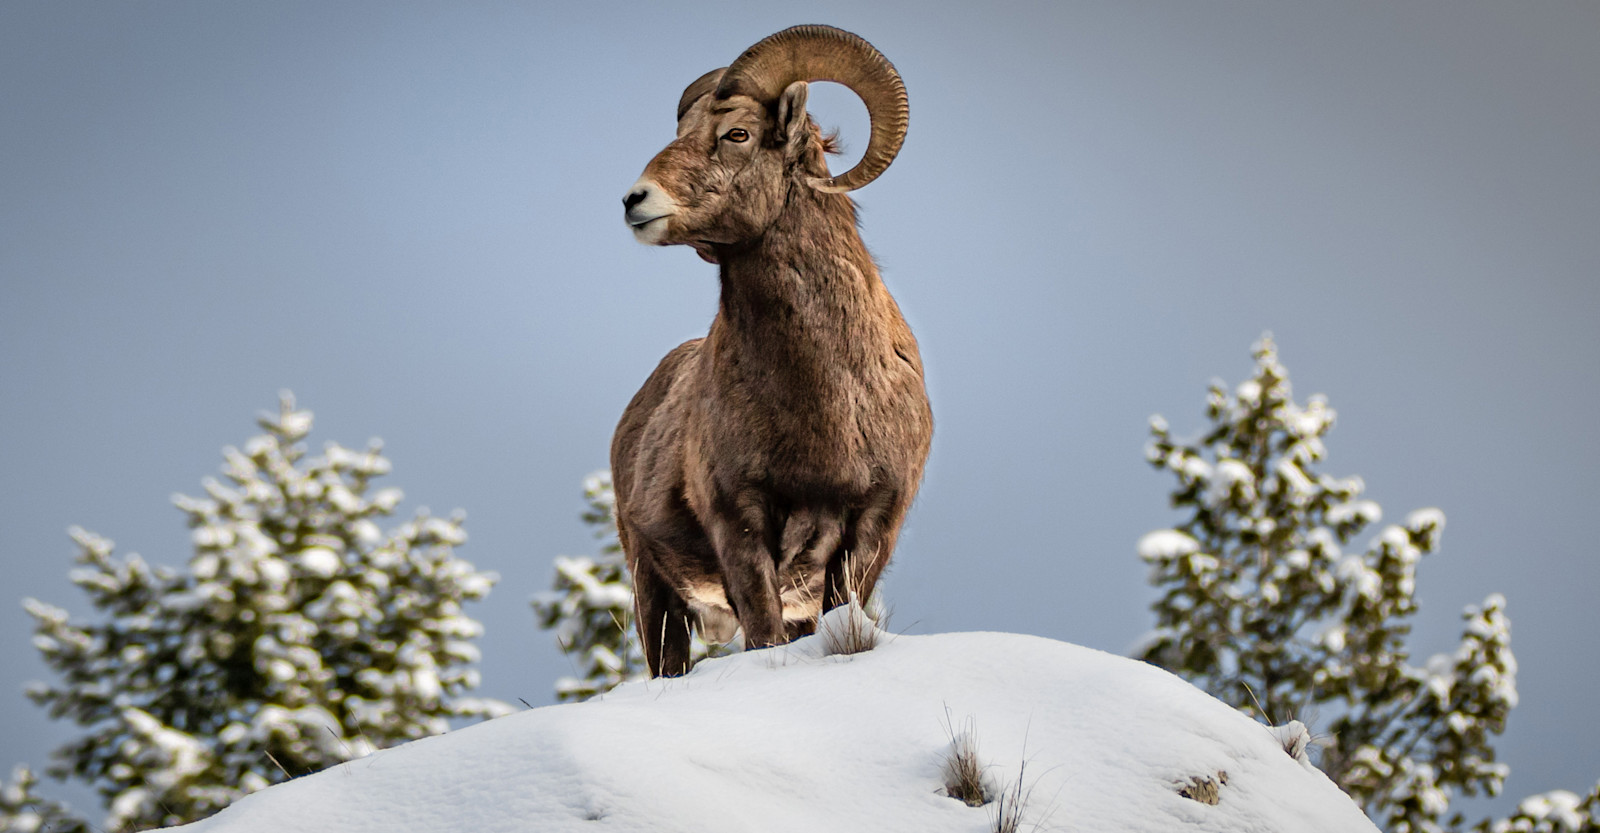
(797, 739)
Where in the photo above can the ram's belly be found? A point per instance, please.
(802, 599)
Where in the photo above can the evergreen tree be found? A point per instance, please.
(1268, 604)
(301, 635)
(24, 811)
(1557, 811)
(590, 607)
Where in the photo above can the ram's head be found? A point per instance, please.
(744, 140)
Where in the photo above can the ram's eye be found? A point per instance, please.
(738, 134)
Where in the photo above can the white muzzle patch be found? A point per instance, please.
(647, 208)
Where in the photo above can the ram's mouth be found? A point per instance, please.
(649, 231)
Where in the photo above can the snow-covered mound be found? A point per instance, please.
(792, 739)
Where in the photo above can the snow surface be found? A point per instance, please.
(792, 739)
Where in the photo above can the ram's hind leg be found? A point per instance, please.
(663, 620)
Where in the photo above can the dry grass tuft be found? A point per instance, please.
(968, 780)
(1014, 801)
(963, 775)
(1294, 737)
(1206, 789)
(1011, 802)
(848, 629)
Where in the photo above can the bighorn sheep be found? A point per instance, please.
(764, 470)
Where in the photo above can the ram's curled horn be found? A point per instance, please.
(701, 86)
(823, 53)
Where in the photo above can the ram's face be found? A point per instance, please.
(744, 140)
(723, 180)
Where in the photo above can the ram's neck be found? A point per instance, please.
(807, 291)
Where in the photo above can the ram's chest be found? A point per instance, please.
(837, 427)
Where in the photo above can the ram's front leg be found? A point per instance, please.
(660, 615)
(855, 568)
(750, 578)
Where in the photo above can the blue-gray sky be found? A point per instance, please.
(408, 213)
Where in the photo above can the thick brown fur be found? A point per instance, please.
(766, 468)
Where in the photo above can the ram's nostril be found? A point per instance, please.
(634, 198)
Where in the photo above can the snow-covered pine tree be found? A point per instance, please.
(590, 607)
(1557, 811)
(24, 811)
(1263, 606)
(301, 635)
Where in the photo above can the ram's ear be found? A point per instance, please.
(792, 122)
